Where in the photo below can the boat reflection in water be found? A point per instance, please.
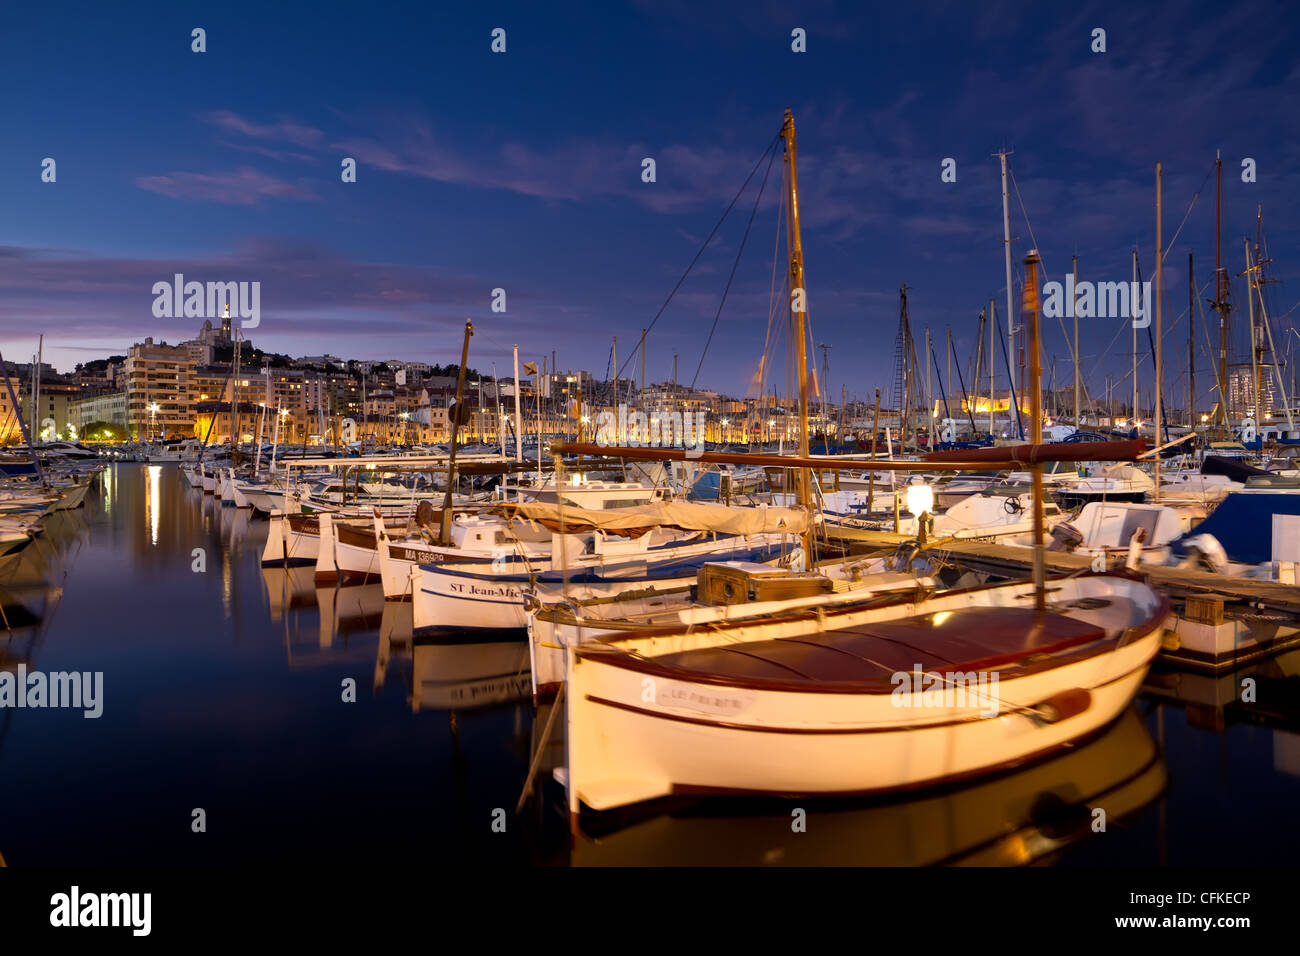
(450, 675)
(1218, 701)
(1261, 694)
(444, 674)
(461, 676)
(1019, 818)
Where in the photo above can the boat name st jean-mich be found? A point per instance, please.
(56, 689)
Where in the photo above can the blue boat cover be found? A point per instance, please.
(1243, 524)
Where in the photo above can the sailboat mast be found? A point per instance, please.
(519, 417)
(1254, 352)
(1191, 345)
(929, 389)
(1220, 288)
(234, 401)
(1266, 341)
(1006, 243)
(1030, 304)
(1075, 310)
(799, 308)
(1160, 436)
(1136, 417)
(993, 323)
(36, 388)
(444, 524)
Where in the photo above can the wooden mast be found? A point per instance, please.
(1137, 421)
(1030, 305)
(799, 310)
(1221, 293)
(1191, 344)
(993, 321)
(444, 523)
(1006, 244)
(1076, 346)
(1160, 269)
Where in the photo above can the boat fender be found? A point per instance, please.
(1206, 550)
(1135, 549)
(798, 561)
(1062, 706)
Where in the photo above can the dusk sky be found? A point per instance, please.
(522, 170)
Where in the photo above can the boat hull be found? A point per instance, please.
(461, 596)
(636, 734)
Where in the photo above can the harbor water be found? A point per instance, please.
(248, 716)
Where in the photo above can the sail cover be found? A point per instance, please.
(689, 516)
(1243, 525)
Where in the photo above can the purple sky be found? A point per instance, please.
(522, 171)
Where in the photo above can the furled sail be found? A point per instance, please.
(689, 516)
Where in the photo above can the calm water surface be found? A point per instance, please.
(223, 691)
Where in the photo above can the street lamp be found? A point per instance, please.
(153, 418)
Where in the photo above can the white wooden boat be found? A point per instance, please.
(842, 701)
(1011, 819)
(490, 595)
(557, 621)
(230, 492)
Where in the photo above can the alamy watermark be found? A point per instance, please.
(653, 428)
(76, 909)
(197, 300)
(82, 690)
(922, 688)
(1098, 300)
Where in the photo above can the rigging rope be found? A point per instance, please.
(712, 233)
(734, 265)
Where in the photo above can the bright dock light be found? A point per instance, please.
(920, 499)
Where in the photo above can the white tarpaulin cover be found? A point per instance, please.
(690, 516)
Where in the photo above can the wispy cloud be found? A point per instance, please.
(243, 187)
(282, 130)
(303, 286)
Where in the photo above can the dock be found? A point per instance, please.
(1218, 622)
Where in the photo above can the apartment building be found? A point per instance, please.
(159, 400)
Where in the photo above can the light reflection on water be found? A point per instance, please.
(224, 689)
(153, 493)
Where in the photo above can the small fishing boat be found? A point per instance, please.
(905, 692)
(840, 701)
(490, 596)
(721, 591)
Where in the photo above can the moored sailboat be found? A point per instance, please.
(865, 698)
